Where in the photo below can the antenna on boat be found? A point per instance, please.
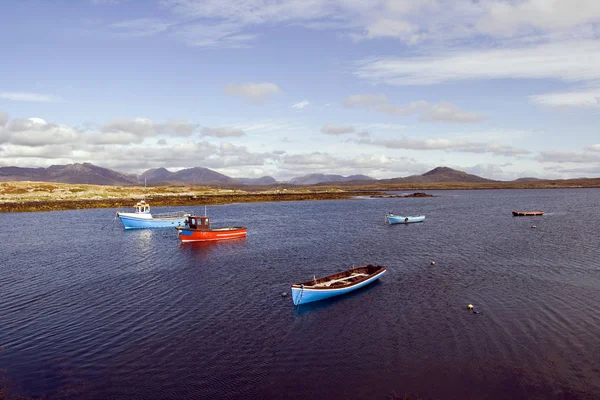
(205, 211)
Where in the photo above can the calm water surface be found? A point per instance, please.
(91, 313)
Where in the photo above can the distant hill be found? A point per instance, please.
(8, 174)
(527, 179)
(188, 175)
(72, 173)
(264, 180)
(439, 174)
(156, 175)
(314, 179)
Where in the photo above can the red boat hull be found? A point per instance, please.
(192, 235)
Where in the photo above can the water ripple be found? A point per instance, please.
(94, 314)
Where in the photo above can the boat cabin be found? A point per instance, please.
(199, 223)
(142, 207)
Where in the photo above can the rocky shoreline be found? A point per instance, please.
(400, 196)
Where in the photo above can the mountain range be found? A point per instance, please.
(91, 174)
(71, 173)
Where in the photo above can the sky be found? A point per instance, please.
(386, 88)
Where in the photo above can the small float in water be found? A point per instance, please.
(336, 284)
(143, 219)
(399, 219)
(197, 229)
(526, 213)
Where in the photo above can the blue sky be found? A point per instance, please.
(387, 88)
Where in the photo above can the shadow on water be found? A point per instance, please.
(315, 306)
(211, 244)
(203, 251)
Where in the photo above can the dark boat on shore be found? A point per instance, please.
(526, 213)
(335, 284)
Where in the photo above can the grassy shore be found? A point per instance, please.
(45, 196)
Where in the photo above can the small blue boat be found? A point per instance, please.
(336, 284)
(398, 219)
(143, 219)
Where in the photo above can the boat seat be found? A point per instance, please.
(329, 283)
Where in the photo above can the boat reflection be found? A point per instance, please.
(316, 306)
(202, 251)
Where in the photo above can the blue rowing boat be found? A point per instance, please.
(143, 219)
(336, 284)
(399, 219)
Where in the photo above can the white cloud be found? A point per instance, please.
(33, 97)
(176, 128)
(36, 132)
(329, 129)
(3, 119)
(489, 171)
(135, 130)
(509, 18)
(462, 146)
(378, 166)
(594, 147)
(443, 111)
(384, 127)
(579, 172)
(256, 92)
(574, 61)
(568, 157)
(247, 12)
(138, 126)
(105, 2)
(223, 132)
(140, 27)
(365, 100)
(385, 27)
(207, 34)
(406, 20)
(37, 142)
(589, 98)
(301, 105)
(217, 23)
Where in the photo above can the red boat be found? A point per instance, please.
(526, 213)
(197, 229)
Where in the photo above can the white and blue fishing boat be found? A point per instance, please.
(336, 284)
(143, 219)
(398, 219)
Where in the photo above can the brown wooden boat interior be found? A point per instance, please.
(343, 279)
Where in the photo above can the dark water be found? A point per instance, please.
(91, 313)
